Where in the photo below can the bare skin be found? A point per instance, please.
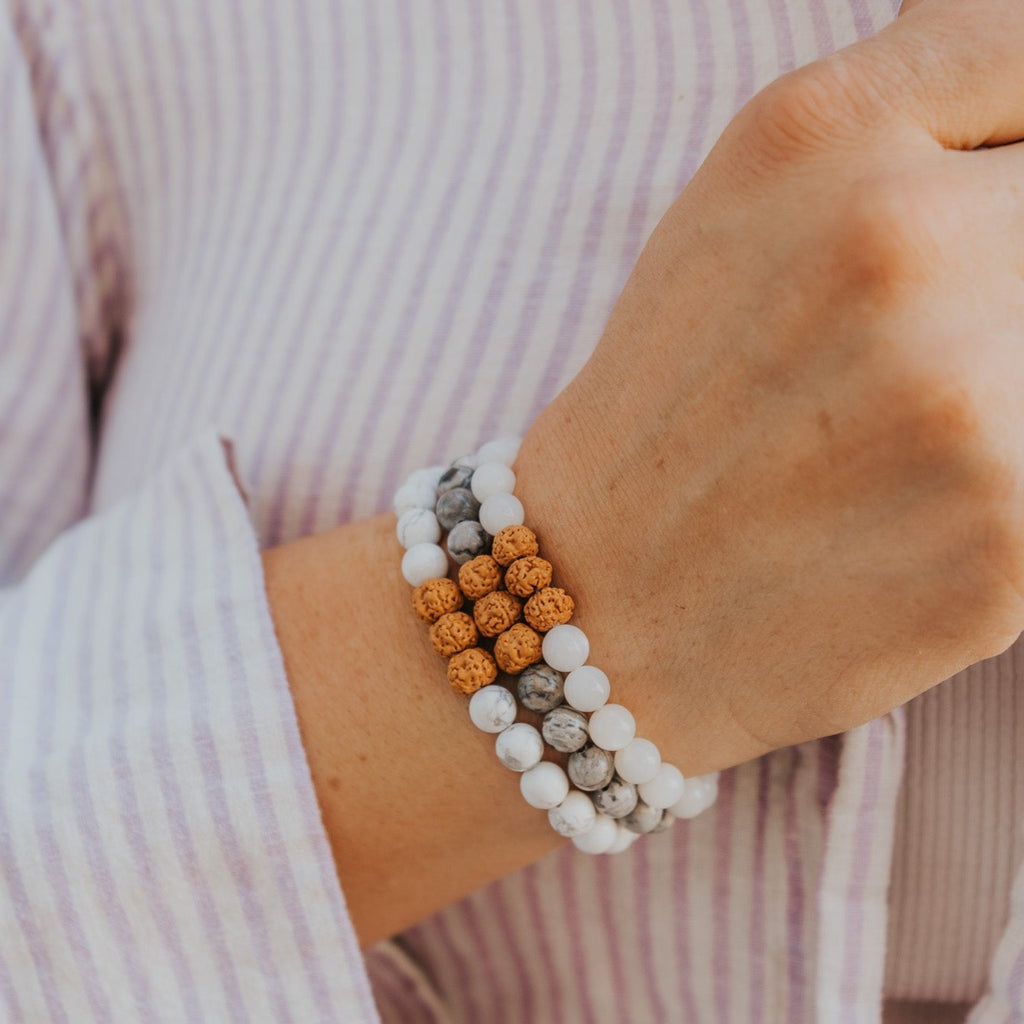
(796, 494)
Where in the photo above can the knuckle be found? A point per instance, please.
(807, 110)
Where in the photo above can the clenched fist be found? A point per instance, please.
(787, 489)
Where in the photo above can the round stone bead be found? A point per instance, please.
(600, 838)
(414, 493)
(492, 478)
(667, 821)
(591, 768)
(665, 789)
(638, 761)
(544, 785)
(467, 540)
(468, 461)
(453, 477)
(424, 562)
(428, 475)
(624, 839)
(456, 505)
(643, 818)
(565, 729)
(699, 794)
(587, 688)
(501, 510)
(492, 709)
(612, 727)
(418, 526)
(566, 647)
(617, 799)
(501, 449)
(519, 747)
(574, 816)
(540, 688)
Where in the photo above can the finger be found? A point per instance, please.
(954, 67)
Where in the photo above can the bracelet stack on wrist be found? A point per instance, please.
(504, 615)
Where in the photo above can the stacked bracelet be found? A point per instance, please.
(518, 623)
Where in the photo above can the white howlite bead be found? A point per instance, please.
(424, 562)
(587, 688)
(611, 726)
(428, 475)
(501, 449)
(565, 647)
(624, 839)
(418, 526)
(501, 510)
(470, 461)
(699, 794)
(665, 789)
(600, 838)
(415, 494)
(638, 761)
(492, 709)
(544, 785)
(519, 747)
(492, 478)
(574, 816)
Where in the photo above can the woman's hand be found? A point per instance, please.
(787, 490)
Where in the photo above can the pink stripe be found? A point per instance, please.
(796, 880)
(525, 1007)
(683, 923)
(757, 940)
(609, 880)
(721, 938)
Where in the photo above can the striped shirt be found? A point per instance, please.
(257, 262)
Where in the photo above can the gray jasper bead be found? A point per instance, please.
(565, 729)
(617, 799)
(591, 768)
(665, 823)
(540, 688)
(456, 505)
(467, 540)
(643, 818)
(452, 477)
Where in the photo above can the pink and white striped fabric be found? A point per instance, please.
(257, 261)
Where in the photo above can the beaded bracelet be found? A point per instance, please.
(620, 788)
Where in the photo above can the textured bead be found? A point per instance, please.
(574, 816)
(587, 688)
(565, 729)
(516, 648)
(591, 768)
(492, 478)
(549, 607)
(412, 494)
(519, 747)
(467, 540)
(502, 449)
(454, 477)
(665, 789)
(453, 632)
(435, 597)
(497, 611)
(479, 576)
(617, 799)
(527, 575)
(514, 542)
(566, 647)
(418, 526)
(612, 726)
(423, 562)
(643, 818)
(455, 506)
(540, 688)
(470, 670)
(638, 761)
(499, 511)
(600, 838)
(492, 708)
(623, 840)
(544, 785)
(699, 794)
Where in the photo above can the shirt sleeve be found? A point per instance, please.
(162, 855)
